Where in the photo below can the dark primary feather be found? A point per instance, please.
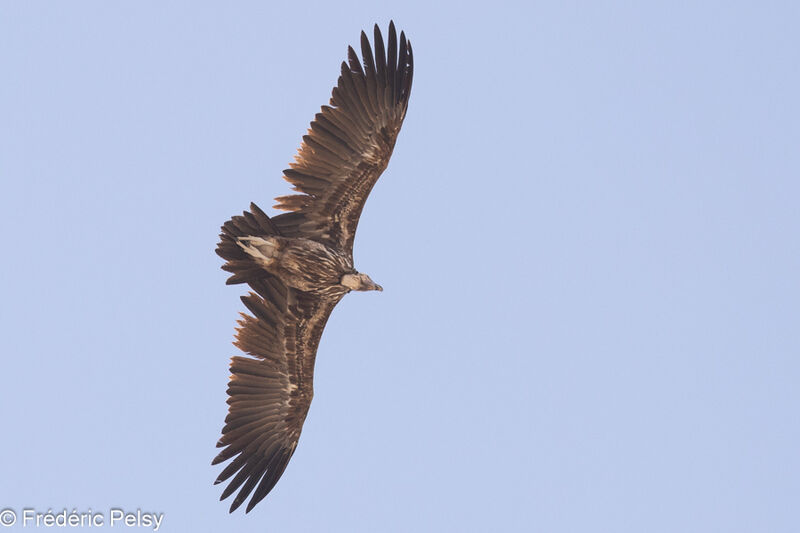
(345, 151)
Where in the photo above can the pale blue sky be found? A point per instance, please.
(587, 237)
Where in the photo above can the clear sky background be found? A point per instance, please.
(588, 237)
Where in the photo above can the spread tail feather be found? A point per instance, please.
(239, 263)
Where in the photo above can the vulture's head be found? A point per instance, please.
(359, 282)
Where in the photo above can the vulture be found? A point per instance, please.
(299, 264)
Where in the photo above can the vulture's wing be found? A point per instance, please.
(269, 396)
(349, 144)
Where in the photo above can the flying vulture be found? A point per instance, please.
(299, 264)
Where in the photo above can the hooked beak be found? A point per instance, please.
(374, 286)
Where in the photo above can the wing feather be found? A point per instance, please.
(370, 75)
(380, 54)
(349, 143)
(391, 59)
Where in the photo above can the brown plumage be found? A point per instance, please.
(300, 264)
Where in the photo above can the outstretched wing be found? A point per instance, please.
(269, 393)
(349, 144)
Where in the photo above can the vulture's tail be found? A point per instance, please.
(241, 265)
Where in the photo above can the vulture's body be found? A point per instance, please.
(300, 264)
